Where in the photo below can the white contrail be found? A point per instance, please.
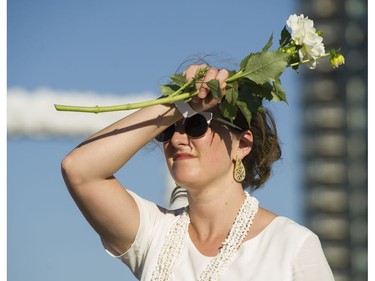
(32, 113)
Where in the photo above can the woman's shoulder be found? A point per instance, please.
(286, 229)
(287, 225)
(269, 224)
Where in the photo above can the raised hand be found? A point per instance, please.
(204, 100)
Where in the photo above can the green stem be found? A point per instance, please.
(235, 76)
(309, 60)
(129, 106)
(177, 95)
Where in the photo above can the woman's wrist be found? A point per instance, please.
(184, 108)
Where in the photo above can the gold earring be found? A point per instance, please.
(239, 170)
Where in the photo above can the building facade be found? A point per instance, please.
(334, 112)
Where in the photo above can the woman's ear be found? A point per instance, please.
(245, 143)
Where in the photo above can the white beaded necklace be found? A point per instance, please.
(176, 235)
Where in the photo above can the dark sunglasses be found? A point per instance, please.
(195, 126)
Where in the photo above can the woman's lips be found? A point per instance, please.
(182, 156)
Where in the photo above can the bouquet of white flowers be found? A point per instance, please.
(257, 79)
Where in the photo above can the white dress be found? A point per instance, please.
(283, 251)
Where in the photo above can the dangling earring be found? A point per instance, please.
(239, 170)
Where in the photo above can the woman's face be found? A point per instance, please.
(201, 161)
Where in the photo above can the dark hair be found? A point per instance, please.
(265, 151)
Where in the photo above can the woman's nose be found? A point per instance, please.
(179, 136)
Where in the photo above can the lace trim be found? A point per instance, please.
(175, 240)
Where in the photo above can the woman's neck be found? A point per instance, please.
(212, 212)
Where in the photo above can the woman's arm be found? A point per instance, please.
(88, 173)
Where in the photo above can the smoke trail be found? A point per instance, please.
(32, 113)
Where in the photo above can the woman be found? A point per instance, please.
(223, 234)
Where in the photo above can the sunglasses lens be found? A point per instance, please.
(196, 126)
(166, 135)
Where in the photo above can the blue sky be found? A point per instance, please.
(114, 50)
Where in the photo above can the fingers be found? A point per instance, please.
(192, 71)
(222, 76)
(204, 99)
(202, 86)
(212, 73)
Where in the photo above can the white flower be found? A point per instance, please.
(304, 34)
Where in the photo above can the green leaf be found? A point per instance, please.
(252, 96)
(278, 93)
(228, 110)
(231, 92)
(256, 90)
(168, 89)
(268, 45)
(245, 111)
(178, 79)
(265, 66)
(215, 88)
(244, 61)
(285, 37)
